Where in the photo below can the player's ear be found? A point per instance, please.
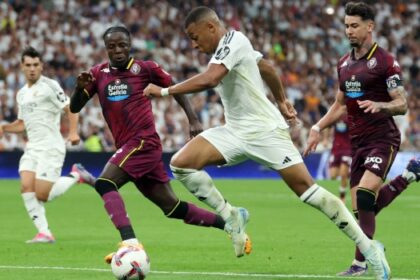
(371, 25)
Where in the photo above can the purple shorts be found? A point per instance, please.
(338, 158)
(376, 157)
(141, 159)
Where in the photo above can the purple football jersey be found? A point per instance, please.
(341, 142)
(127, 112)
(369, 78)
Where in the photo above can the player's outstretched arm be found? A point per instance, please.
(195, 125)
(208, 79)
(80, 96)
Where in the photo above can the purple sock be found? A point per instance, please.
(115, 207)
(389, 192)
(198, 216)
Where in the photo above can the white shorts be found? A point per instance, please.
(46, 164)
(273, 149)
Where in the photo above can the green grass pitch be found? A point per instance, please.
(290, 239)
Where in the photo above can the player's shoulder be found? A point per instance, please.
(49, 83)
(343, 60)
(100, 68)
(384, 56)
(234, 37)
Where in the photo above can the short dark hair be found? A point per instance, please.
(196, 15)
(118, 28)
(31, 52)
(360, 9)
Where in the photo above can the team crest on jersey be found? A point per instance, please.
(372, 63)
(222, 52)
(117, 90)
(105, 70)
(135, 69)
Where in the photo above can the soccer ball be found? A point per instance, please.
(130, 263)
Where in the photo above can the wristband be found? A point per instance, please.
(164, 91)
(316, 128)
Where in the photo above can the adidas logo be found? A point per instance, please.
(286, 160)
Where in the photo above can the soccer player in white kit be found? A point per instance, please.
(40, 103)
(255, 129)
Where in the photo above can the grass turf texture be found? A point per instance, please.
(291, 240)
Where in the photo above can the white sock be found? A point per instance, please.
(199, 183)
(336, 211)
(36, 211)
(61, 186)
(131, 241)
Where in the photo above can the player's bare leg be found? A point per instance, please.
(187, 166)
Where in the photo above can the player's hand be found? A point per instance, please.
(287, 110)
(152, 90)
(84, 79)
(1, 131)
(73, 138)
(313, 140)
(369, 106)
(195, 129)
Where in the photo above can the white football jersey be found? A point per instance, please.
(248, 112)
(40, 107)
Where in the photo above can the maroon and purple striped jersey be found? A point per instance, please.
(127, 112)
(369, 78)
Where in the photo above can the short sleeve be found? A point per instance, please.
(159, 76)
(234, 46)
(57, 96)
(393, 74)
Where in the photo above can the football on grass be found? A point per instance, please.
(130, 263)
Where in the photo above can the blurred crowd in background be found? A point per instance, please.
(304, 39)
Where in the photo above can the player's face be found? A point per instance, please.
(118, 47)
(32, 68)
(357, 30)
(202, 35)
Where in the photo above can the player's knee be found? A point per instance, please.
(365, 200)
(103, 186)
(179, 211)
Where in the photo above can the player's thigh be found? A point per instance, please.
(215, 146)
(353, 192)
(115, 174)
(27, 181)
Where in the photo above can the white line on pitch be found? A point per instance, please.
(231, 274)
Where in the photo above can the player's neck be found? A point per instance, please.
(362, 50)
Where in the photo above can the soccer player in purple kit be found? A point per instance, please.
(340, 157)
(119, 85)
(371, 89)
